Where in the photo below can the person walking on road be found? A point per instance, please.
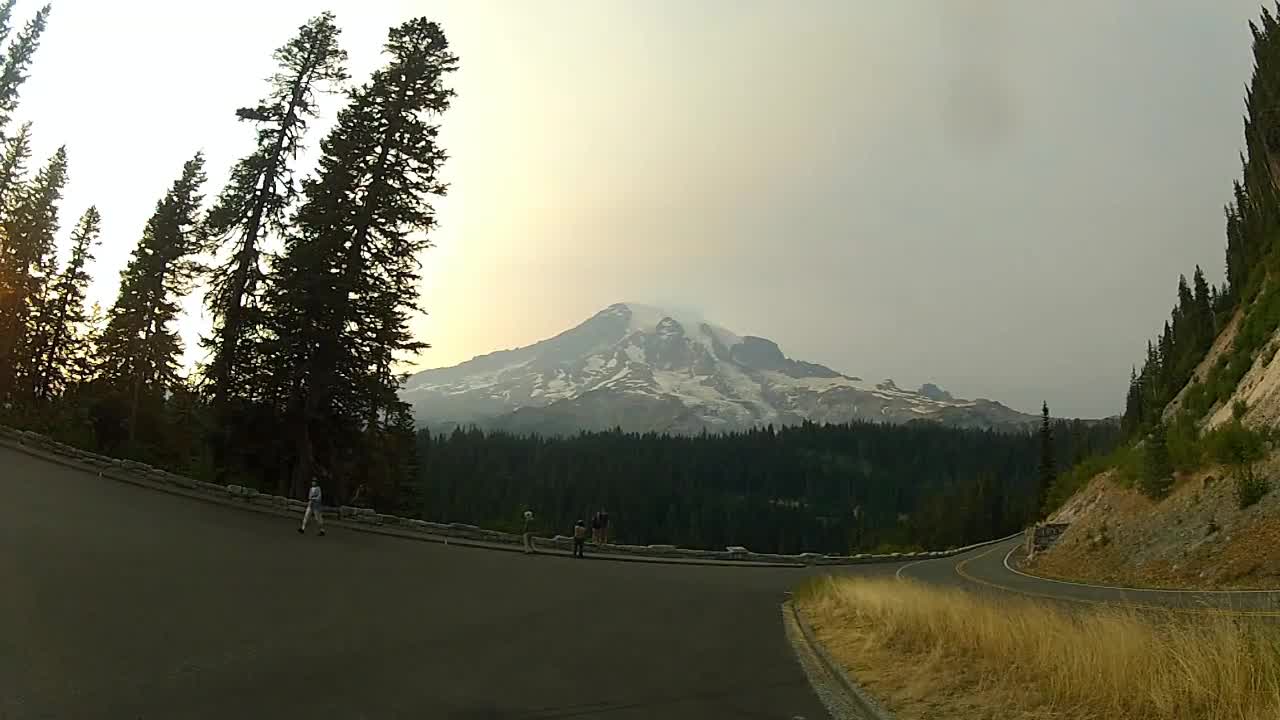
(528, 532)
(579, 539)
(604, 527)
(313, 508)
(595, 528)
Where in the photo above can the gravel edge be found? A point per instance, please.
(864, 706)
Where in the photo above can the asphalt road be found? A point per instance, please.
(122, 602)
(991, 569)
(118, 601)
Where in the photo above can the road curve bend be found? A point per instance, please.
(991, 569)
(117, 601)
(120, 601)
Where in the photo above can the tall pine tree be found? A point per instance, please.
(13, 168)
(1157, 468)
(26, 266)
(1133, 416)
(1048, 469)
(140, 348)
(18, 58)
(85, 368)
(347, 279)
(63, 352)
(1205, 329)
(260, 191)
(6, 18)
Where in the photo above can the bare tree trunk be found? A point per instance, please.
(133, 409)
(304, 466)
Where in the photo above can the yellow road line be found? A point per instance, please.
(1176, 591)
(962, 572)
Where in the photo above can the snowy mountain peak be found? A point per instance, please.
(643, 318)
(934, 392)
(645, 368)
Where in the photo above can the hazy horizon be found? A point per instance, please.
(994, 197)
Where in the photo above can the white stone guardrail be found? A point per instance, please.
(366, 516)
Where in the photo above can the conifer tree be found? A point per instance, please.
(17, 58)
(6, 18)
(13, 168)
(1133, 403)
(1157, 471)
(63, 349)
(260, 191)
(1205, 330)
(26, 265)
(1048, 470)
(403, 449)
(84, 367)
(1237, 238)
(1167, 360)
(140, 348)
(347, 279)
(1186, 300)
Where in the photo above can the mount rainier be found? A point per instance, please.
(645, 369)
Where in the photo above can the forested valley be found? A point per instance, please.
(822, 488)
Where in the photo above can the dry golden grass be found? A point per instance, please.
(917, 647)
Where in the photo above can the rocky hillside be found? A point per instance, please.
(1207, 512)
(642, 368)
(1196, 537)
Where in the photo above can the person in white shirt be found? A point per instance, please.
(313, 508)
(527, 535)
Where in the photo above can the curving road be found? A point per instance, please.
(122, 602)
(118, 601)
(991, 569)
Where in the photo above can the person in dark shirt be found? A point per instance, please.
(604, 526)
(595, 528)
(360, 496)
(579, 539)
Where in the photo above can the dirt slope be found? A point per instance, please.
(1196, 537)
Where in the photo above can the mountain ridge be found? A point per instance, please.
(643, 368)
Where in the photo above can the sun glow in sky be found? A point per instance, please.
(991, 195)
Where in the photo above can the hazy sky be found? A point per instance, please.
(993, 195)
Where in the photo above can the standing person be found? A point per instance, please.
(604, 527)
(528, 532)
(359, 496)
(579, 539)
(595, 528)
(313, 508)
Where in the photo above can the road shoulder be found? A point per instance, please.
(839, 693)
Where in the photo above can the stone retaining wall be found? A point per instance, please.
(111, 467)
(1042, 536)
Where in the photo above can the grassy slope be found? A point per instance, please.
(931, 653)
